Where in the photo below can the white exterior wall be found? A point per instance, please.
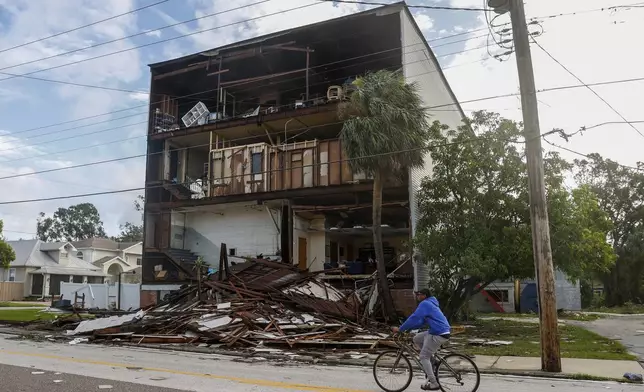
(419, 65)
(247, 229)
(102, 296)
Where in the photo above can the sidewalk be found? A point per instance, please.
(571, 366)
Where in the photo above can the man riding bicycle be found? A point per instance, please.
(428, 342)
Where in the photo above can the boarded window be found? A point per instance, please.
(256, 163)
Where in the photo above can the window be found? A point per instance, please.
(79, 255)
(256, 163)
(499, 295)
(139, 261)
(232, 252)
(12, 274)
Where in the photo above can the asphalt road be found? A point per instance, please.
(86, 367)
(21, 379)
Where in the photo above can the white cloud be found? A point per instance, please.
(27, 24)
(592, 46)
(154, 33)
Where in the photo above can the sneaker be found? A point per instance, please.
(430, 387)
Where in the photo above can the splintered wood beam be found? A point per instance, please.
(217, 72)
(233, 83)
(291, 48)
(190, 68)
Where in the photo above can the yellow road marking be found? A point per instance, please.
(241, 380)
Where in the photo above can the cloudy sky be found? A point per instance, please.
(596, 46)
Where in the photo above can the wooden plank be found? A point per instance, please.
(307, 168)
(334, 165)
(297, 172)
(347, 174)
(323, 171)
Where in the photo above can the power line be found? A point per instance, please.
(587, 86)
(239, 84)
(100, 115)
(198, 32)
(558, 88)
(121, 90)
(306, 129)
(205, 91)
(471, 140)
(588, 156)
(429, 7)
(130, 36)
(145, 135)
(84, 26)
(173, 38)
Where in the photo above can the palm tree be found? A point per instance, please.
(385, 124)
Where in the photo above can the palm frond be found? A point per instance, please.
(385, 124)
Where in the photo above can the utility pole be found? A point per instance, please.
(550, 348)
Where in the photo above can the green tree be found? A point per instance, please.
(474, 225)
(385, 123)
(620, 191)
(78, 222)
(132, 232)
(7, 254)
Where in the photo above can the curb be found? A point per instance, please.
(318, 359)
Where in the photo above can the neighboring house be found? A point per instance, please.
(42, 266)
(258, 165)
(500, 296)
(113, 257)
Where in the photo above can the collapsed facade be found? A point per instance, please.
(244, 149)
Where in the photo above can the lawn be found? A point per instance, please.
(626, 309)
(576, 342)
(562, 316)
(24, 315)
(21, 305)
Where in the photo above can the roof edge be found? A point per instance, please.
(247, 42)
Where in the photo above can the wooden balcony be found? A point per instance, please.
(261, 167)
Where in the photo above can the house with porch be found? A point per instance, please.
(244, 149)
(113, 257)
(42, 266)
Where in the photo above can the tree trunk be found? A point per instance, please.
(388, 303)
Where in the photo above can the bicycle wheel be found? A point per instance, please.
(457, 372)
(392, 371)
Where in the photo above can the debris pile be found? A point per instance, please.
(259, 303)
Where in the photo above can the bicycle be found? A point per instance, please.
(398, 362)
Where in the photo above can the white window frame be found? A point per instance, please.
(12, 275)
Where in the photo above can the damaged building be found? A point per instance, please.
(244, 149)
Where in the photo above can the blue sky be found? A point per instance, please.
(597, 46)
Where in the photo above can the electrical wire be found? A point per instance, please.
(306, 128)
(198, 32)
(471, 140)
(239, 84)
(429, 7)
(84, 26)
(212, 90)
(103, 114)
(131, 36)
(173, 38)
(587, 86)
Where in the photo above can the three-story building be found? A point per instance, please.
(244, 149)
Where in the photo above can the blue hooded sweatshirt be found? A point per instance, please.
(427, 313)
